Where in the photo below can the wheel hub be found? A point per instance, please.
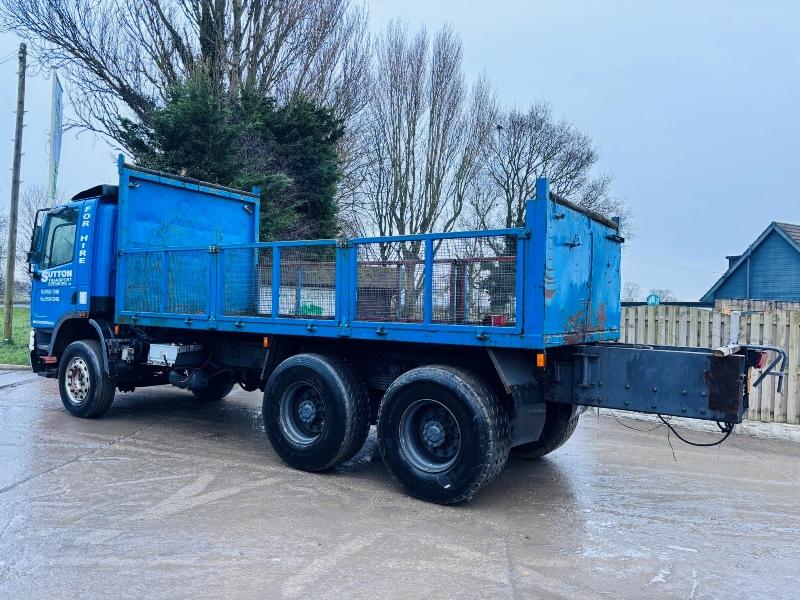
(302, 413)
(433, 434)
(77, 382)
(430, 436)
(307, 411)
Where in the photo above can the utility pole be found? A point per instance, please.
(12, 216)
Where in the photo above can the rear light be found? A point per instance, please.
(760, 360)
(541, 360)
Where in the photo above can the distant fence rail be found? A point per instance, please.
(709, 328)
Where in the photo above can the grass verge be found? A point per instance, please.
(16, 352)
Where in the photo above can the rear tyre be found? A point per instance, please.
(559, 425)
(217, 388)
(86, 389)
(316, 411)
(443, 433)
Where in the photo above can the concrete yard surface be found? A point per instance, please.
(166, 497)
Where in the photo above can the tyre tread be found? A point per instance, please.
(356, 404)
(103, 394)
(499, 427)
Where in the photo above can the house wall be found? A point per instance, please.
(774, 270)
(735, 286)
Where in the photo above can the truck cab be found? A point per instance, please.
(73, 272)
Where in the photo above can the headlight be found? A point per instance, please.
(32, 341)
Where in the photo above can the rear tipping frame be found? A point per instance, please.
(563, 287)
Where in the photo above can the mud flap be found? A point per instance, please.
(518, 374)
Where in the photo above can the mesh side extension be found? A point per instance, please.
(390, 280)
(188, 280)
(247, 281)
(143, 282)
(308, 282)
(474, 281)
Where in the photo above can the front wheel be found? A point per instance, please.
(443, 433)
(86, 389)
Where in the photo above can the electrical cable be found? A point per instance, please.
(8, 57)
(727, 429)
(613, 414)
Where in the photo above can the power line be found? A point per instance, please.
(666, 266)
(8, 57)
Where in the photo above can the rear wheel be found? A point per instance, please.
(316, 411)
(86, 389)
(443, 433)
(559, 425)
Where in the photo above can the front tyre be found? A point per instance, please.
(86, 389)
(443, 433)
(316, 411)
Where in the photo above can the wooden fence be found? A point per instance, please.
(707, 328)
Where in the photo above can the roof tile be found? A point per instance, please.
(793, 231)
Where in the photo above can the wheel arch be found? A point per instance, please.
(71, 328)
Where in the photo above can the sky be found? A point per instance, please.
(693, 107)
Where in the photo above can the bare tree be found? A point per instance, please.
(530, 144)
(424, 134)
(631, 292)
(32, 200)
(664, 294)
(123, 56)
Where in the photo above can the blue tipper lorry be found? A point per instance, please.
(461, 347)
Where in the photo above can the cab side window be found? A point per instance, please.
(59, 243)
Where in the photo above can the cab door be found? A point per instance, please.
(54, 287)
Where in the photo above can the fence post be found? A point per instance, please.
(768, 385)
(782, 340)
(791, 387)
(641, 315)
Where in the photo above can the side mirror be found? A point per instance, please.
(34, 256)
(35, 237)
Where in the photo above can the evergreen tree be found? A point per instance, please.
(192, 135)
(289, 151)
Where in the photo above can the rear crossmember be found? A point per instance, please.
(697, 383)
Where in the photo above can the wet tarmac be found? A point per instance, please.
(164, 497)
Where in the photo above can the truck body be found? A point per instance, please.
(460, 346)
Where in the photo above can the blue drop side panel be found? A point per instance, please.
(157, 212)
(581, 280)
(568, 291)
